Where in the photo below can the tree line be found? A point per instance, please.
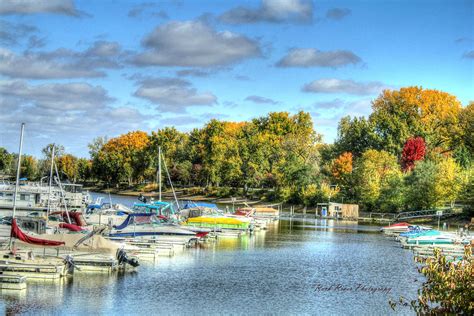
(415, 151)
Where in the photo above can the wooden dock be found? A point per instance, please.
(12, 282)
(33, 270)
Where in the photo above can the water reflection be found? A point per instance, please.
(297, 266)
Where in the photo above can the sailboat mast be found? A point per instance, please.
(62, 194)
(50, 182)
(159, 171)
(17, 184)
(171, 183)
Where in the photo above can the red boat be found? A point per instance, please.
(396, 228)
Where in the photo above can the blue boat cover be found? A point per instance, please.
(93, 206)
(192, 204)
(144, 217)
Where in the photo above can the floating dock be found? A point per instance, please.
(12, 282)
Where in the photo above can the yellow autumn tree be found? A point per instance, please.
(124, 157)
(414, 111)
(377, 177)
(67, 165)
(449, 180)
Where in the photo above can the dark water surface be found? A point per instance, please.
(322, 267)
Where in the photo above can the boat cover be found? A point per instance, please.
(81, 242)
(139, 218)
(192, 204)
(70, 227)
(17, 233)
(76, 217)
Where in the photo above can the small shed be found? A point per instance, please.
(338, 210)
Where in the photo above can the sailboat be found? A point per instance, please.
(152, 221)
(37, 267)
(60, 266)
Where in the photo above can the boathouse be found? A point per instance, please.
(338, 210)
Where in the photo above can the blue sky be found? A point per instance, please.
(75, 70)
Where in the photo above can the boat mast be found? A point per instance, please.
(62, 194)
(17, 184)
(171, 183)
(159, 171)
(50, 183)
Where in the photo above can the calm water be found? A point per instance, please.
(296, 267)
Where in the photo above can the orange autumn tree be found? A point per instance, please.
(431, 114)
(124, 158)
(342, 166)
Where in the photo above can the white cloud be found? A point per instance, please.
(332, 85)
(310, 57)
(61, 63)
(13, 33)
(139, 10)
(194, 44)
(65, 7)
(55, 96)
(260, 100)
(272, 11)
(172, 94)
(71, 114)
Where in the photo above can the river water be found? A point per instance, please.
(323, 267)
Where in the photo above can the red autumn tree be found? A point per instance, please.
(413, 151)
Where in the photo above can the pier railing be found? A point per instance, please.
(425, 213)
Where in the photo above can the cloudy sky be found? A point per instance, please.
(75, 70)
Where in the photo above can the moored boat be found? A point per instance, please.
(219, 222)
(396, 228)
(147, 225)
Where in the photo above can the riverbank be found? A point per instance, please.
(191, 193)
(196, 194)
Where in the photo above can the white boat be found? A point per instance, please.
(34, 196)
(441, 239)
(99, 213)
(146, 226)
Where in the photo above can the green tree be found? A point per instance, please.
(375, 174)
(98, 164)
(448, 288)
(58, 150)
(466, 196)
(356, 135)
(174, 146)
(84, 169)
(29, 167)
(433, 183)
(289, 144)
(6, 161)
(464, 153)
